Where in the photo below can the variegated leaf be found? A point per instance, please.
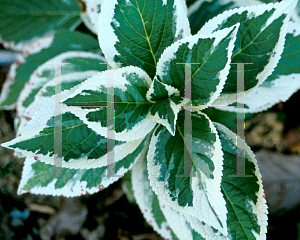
(165, 112)
(130, 85)
(167, 104)
(63, 41)
(39, 178)
(210, 55)
(91, 14)
(260, 41)
(203, 10)
(244, 196)
(198, 193)
(296, 14)
(82, 148)
(71, 62)
(26, 49)
(146, 198)
(68, 81)
(187, 227)
(169, 223)
(282, 83)
(135, 33)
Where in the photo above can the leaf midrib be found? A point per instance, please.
(199, 176)
(237, 216)
(146, 34)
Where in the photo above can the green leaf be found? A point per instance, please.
(160, 91)
(198, 192)
(76, 62)
(228, 119)
(63, 41)
(202, 11)
(260, 41)
(81, 147)
(283, 82)
(38, 177)
(136, 32)
(26, 19)
(245, 202)
(69, 81)
(146, 198)
(289, 62)
(165, 112)
(165, 221)
(167, 104)
(211, 55)
(131, 106)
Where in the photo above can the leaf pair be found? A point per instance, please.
(245, 211)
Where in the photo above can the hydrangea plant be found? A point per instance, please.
(129, 99)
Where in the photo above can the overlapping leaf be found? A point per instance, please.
(203, 10)
(283, 82)
(26, 19)
(167, 104)
(39, 178)
(245, 202)
(71, 62)
(260, 41)
(210, 57)
(167, 222)
(136, 32)
(81, 146)
(63, 41)
(68, 81)
(131, 106)
(91, 14)
(146, 198)
(199, 195)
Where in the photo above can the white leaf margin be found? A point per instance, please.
(26, 48)
(38, 123)
(32, 46)
(34, 107)
(141, 129)
(281, 89)
(170, 53)
(171, 90)
(108, 39)
(164, 121)
(261, 208)
(284, 7)
(201, 209)
(237, 3)
(72, 188)
(182, 224)
(296, 15)
(144, 196)
(36, 81)
(91, 15)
